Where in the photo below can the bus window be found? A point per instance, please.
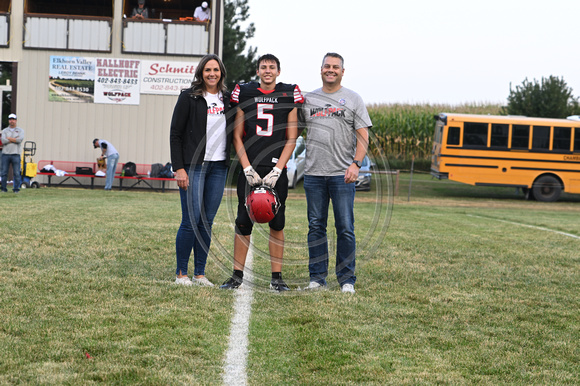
(453, 136)
(577, 140)
(541, 138)
(520, 136)
(499, 135)
(475, 134)
(562, 138)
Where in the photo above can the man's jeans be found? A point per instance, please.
(319, 191)
(199, 205)
(112, 161)
(13, 159)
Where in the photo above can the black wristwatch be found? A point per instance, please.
(357, 163)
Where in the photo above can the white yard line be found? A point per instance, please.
(237, 354)
(529, 226)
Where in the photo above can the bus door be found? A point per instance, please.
(437, 142)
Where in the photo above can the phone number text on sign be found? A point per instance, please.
(117, 81)
(160, 87)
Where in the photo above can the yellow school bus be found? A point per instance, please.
(539, 155)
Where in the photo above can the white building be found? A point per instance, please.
(85, 69)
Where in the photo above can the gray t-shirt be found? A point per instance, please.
(12, 147)
(110, 149)
(332, 121)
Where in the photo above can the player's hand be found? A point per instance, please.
(252, 176)
(272, 177)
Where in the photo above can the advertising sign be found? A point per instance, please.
(71, 79)
(166, 78)
(117, 81)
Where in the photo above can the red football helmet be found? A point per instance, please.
(262, 204)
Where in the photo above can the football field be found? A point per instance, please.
(455, 285)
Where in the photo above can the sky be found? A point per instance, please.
(418, 51)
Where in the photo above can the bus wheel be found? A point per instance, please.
(547, 189)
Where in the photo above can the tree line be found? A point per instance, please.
(548, 98)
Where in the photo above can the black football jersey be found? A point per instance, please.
(266, 119)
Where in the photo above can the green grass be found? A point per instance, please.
(449, 291)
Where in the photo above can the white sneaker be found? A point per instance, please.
(348, 288)
(183, 280)
(314, 285)
(202, 281)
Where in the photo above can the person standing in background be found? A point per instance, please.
(12, 137)
(202, 13)
(109, 152)
(140, 12)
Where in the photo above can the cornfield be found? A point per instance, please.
(401, 131)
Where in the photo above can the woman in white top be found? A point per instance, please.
(200, 141)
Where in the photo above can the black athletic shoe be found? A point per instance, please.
(232, 283)
(278, 285)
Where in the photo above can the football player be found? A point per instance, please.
(264, 137)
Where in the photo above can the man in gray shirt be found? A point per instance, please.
(12, 137)
(109, 152)
(337, 141)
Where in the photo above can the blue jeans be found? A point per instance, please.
(112, 161)
(319, 191)
(13, 159)
(199, 205)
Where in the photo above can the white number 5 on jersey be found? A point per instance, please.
(268, 117)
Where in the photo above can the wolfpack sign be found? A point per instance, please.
(117, 81)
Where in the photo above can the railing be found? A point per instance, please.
(4, 29)
(85, 33)
(61, 32)
(165, 37)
